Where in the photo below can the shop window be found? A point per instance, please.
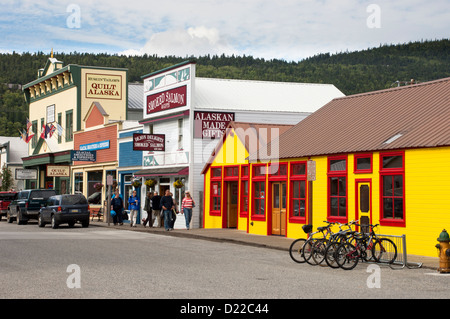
(277, 170)
(35, 131)
(60, 124)
(363, 163)
(337, 188)
(298, 192)
(216, 172)
(259, 171)
(69, 126)
(78, 182)
(95, 187)
(215, 197)
(232, 171)
(298, 169)
(392, 197)
(244, 199)
(259, 197)
(244, 171)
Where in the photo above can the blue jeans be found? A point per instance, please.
(167, 219)
(188, 215)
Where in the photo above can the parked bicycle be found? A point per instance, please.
(365, 246)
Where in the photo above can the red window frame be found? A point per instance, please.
(234, 172)
(339, 174)
(260, 178)
(281, 172)
(393, 173)
(216, 182)
(244, 198)
(362, 171)
(298, 178)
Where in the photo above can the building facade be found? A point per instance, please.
(59, 100)
(187, 115)
(380, 157)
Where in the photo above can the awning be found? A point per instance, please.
(166, 171)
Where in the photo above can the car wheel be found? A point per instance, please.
(40, 221)
(20, 220)
(54, 222)
(85, 223)
(71, 224)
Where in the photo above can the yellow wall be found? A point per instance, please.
(63, 101)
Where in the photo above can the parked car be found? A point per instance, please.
(63, 209)
(5, 199)
(27, 205)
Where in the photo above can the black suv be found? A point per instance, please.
(27, 205)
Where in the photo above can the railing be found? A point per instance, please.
(165, 158)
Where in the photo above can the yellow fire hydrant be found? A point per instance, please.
(444, 252)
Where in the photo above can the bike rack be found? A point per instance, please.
(400, 242)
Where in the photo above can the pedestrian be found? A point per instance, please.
(148, 208)
(167, 206)
(134, 207)
(186, 208)
(174, 212)
(156, 209)
(117, 206)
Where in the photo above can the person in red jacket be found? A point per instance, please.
(186, 208)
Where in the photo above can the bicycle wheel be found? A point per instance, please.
(295, 250)
(384, 251)
(318, 251)
(330, 255)
(308, 250)
(347, 256)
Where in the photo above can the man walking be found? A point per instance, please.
(134, 207)
(156, 207)
(167, 205)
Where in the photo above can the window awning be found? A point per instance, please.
(166, 171)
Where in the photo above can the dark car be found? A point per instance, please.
(27, 205)
(5, 199)
(62, 209)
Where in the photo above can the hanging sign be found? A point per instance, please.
(83, 156)
(149, 142)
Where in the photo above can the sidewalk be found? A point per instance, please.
(241, 237)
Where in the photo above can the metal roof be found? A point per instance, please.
(248, 95)
(136, 96)
(414, 116)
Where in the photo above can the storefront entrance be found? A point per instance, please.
(363, 202)
(232, 204)
(279, 208)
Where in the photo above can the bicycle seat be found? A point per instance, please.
(307, 228)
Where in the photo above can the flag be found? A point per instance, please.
(46, 131)
(28, 137)
(51, 130)
(28, 124)
(60, 129)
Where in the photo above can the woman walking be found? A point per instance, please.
(186, 208)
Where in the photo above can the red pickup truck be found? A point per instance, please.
(5, 199)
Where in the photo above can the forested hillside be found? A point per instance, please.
(351, 72)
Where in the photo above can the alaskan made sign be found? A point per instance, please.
(149, 142)
(167, 100)
(211, 124)
(83, 156)
(103, 86)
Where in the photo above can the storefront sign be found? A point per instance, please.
(83, 156)
(58, 171)
(311, 171)
(95, 146)
(26, 173)
(103, 86)
(167, 100)
(149, 142)
(211, 124)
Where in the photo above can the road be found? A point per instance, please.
(98, 262)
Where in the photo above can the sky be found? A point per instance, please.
(290, 30)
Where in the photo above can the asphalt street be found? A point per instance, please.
(98, 262)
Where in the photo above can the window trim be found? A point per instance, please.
(233, 177)
(216, 180)
(392, 172)
(259, 217)
(355, 163)
(297, 178)
(330, 174)
(278, 176)
(244, 178)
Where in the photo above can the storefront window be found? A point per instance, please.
(337, 188)
(78, 182)
(244, 198)
(95, 187)
(392, 194)
(215, 196)
(259, 195)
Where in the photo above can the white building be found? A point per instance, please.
(187, 115)
(12, 149)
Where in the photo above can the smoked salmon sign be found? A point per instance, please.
(149, 142)
(103, 86)
(166, 100)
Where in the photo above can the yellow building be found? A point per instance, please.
(383, 157)
(58, 100)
